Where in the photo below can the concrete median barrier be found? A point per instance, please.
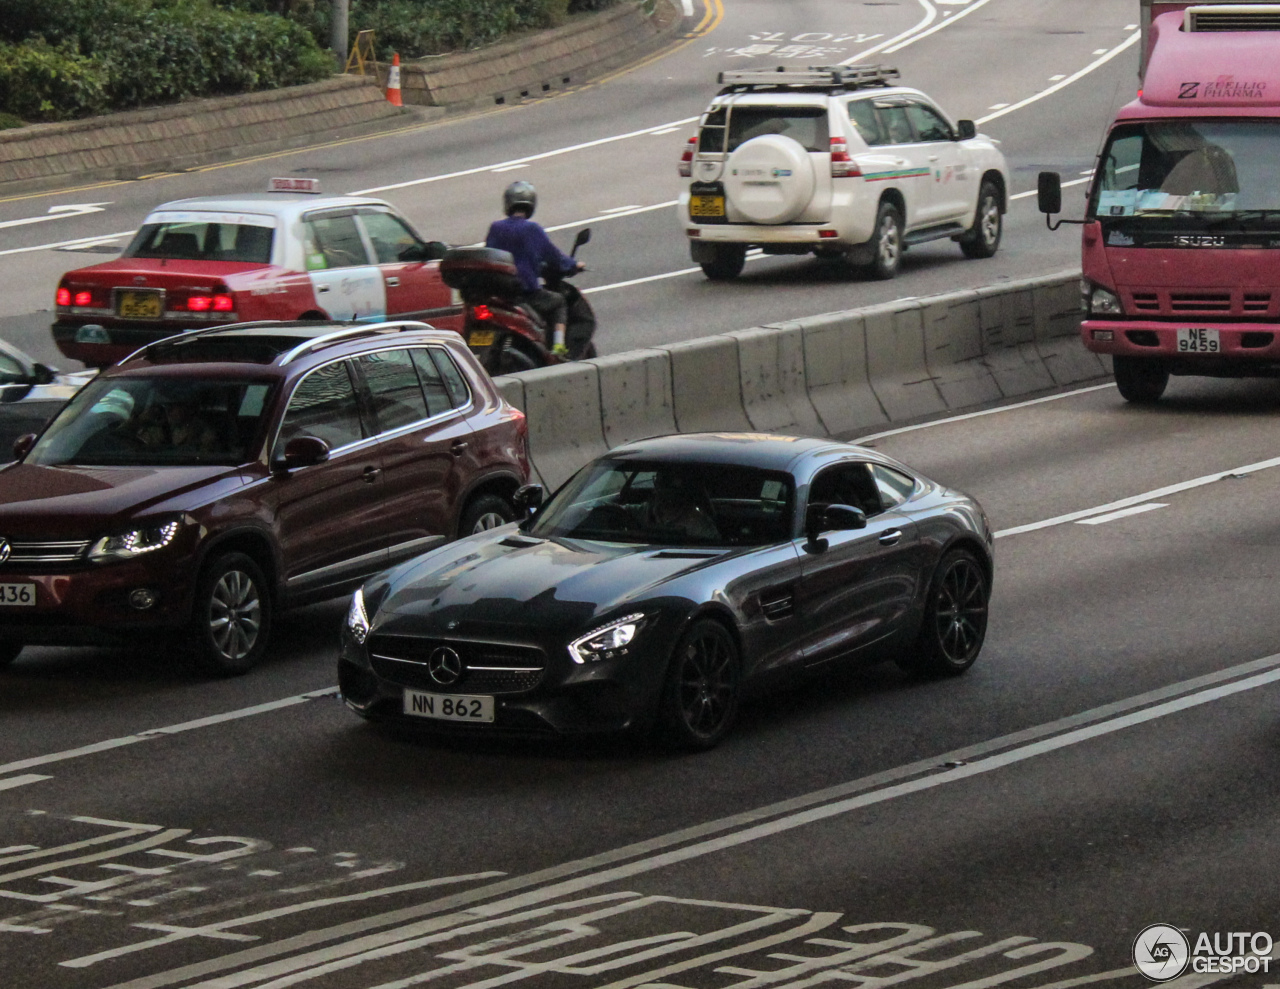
(635, 396)
(1056, 301)
(835, 368)
(706, 387)
(565, 419)
(954, 352)
(1008, 339)
(896, 365)
(775, 394)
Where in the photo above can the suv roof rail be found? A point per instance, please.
(364, 329)
(202, 331)
(824, 77)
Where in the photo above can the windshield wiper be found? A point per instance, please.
(1241, 217)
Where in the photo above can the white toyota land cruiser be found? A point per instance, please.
(837, 162)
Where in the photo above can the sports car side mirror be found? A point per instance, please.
(22, 445)
(822, 518)
(528, 499)
(968, 129)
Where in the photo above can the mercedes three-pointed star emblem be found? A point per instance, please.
(444, 665)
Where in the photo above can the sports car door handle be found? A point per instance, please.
(890, 537)
(393, 281)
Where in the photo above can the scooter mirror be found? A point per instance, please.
(584, 237)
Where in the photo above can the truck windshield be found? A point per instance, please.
(1192, 169)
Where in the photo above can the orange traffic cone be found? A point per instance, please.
(393, 81)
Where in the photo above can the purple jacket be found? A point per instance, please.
(530, 246)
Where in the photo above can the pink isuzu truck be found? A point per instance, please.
(1181, 246)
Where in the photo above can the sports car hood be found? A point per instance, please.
(79, 502)
(512, 580)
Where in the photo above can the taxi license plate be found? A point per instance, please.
(480, 338)
(706, 205)
(1198, 341)
(17, 594)
(448, 707)
(139, 305)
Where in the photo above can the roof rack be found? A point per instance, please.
(351, 331)
(202, 331)
(826, 77)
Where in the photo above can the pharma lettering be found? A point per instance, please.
(1222, 88)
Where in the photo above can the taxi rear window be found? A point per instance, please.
(203, 241)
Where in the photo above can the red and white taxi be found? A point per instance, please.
(285, 254)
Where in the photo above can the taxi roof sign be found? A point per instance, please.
(294, 184)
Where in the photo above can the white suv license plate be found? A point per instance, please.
(1198, 341)
(448, 707)
(17, 594)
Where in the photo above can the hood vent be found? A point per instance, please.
(1232, 17)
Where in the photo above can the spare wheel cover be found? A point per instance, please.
(769, 179)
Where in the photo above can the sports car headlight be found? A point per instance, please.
(607, 641)
(357, 619)
(135, 542)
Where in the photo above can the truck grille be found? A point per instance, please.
(1232, 20)
(1223, 303)
(487, 667)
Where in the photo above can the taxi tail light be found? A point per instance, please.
(63, 296)
(224, 302)
(686, 159)
(842, 165)
(83, 298)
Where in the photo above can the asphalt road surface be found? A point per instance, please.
(1109, 763)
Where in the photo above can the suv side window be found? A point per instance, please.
(896, 126)
(454, 382)
(433, 386)
(333, 241)
(864, 118)
(847, 484)
(929, 124)
(393, 386)
(324, 405)
(388, 234)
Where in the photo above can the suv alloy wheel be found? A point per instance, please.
(886, 243)
(231, 619)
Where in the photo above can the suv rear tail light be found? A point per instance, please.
(686, 159)
(842, 166)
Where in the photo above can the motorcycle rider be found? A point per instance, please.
(529, 244)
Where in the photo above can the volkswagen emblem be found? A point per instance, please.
(444, 665)
(5, 549)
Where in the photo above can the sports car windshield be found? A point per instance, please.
(1196, 170)
(671, 504)
(155, 422)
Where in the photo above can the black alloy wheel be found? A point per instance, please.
(983, 238)
(486, 511)
(1141, 380)
(9, 652)
(231, 620)
(700, 698)
(886, 243)
(955, 618)
(727, 264)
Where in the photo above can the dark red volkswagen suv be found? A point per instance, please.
(215, 477)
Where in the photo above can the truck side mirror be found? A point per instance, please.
(968, 129)
(1049, 192)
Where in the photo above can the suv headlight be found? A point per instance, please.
(135, 542)
(607, 641)
(357, 617)
(1099, 301)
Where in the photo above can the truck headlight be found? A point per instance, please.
(357, 618)
(1102, 302)
(135, 542)
(607, 641)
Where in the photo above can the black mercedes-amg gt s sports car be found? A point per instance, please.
(664, 579)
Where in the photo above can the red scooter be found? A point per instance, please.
(506, 335)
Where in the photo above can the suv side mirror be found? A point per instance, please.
(22, 445)
(303, 451)
(968, 129)
(528, 499)
(1049, 192)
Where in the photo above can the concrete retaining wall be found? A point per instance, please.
(841, 374)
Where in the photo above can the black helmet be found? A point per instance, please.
(520, 195)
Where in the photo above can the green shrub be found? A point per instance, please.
(40, 82)
(9, 121)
